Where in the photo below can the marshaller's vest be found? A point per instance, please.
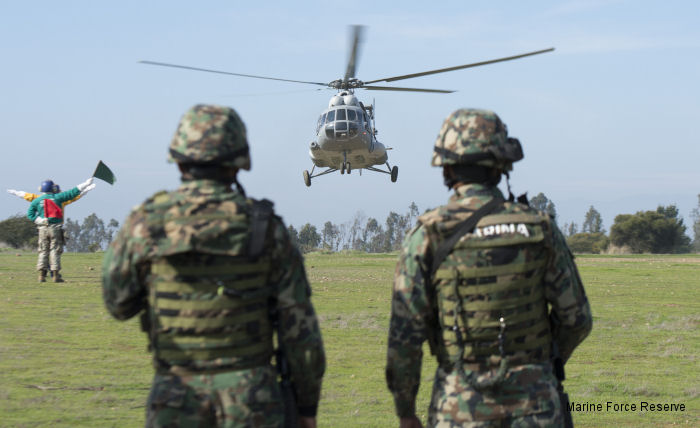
(209, 296)
(490, 295)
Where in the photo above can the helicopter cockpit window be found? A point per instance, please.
(353, 128)
(330, 117)
(321, 120)
(330, 130)
(341, 126)
(340, 114)
(352, 115)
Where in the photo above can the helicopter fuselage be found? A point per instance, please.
(345, 134)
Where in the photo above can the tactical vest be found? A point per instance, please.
(211, 311)
(489, 292)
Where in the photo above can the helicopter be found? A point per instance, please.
(346, 135)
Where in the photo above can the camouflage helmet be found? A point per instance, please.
(475, 137)
(211, 135)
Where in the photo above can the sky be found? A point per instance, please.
(609, 119)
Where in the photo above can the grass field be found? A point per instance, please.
(64, 362)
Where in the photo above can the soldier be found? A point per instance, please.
(492, 286)
(46, 210)
(215, 274)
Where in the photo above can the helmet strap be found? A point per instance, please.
(238, 186)
(511, 197)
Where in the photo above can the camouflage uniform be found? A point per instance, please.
(184, 259)
(484, 310)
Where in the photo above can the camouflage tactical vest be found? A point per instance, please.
(209, 291)
(489, 294)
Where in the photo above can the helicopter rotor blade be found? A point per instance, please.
(357, 31)
(459, 67)
(163, 64)
(395, 88)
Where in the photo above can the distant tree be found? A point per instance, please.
(329, 236)
(342, 242)
(17, 231)
(408, 221)
(355, 232)
(90, 236)
(591, 243)
(293, 235)
(571, 229)
(308, 238)
(593, 222)
(695, 215)
(660, 231)
(411, 216)
(393, 234)
(540, 202)
(373, 236)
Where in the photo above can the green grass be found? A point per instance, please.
(64, 362)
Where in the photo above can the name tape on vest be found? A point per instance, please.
(502, 229)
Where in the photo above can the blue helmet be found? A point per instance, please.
(47, 186)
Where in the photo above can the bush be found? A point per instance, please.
(18, 231)
(593, 243)
(658, 232)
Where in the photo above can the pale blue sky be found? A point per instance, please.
(609, 119)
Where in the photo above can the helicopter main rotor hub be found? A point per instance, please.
(350, 84)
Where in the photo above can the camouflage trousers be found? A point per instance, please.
(242, 398)
(50, 247)
(525, 398)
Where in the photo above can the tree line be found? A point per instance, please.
(660, 231)
(361, 233)
(655, 231)
(89, 236)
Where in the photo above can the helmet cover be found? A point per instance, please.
(475, 137)
(211, 135)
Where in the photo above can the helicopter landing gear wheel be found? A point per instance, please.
(394, 173)
(307, 178)
(348, 167)
(342, 168)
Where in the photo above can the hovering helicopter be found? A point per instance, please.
(346, 136)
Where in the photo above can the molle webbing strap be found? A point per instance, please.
(206, 312)
(175, 355)
(446, 246)
(490, 335)
(163, 268)
(496, 287)
(503, 304)
(464, 272)
(483, 351)
(530, 314)
(218, 340)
